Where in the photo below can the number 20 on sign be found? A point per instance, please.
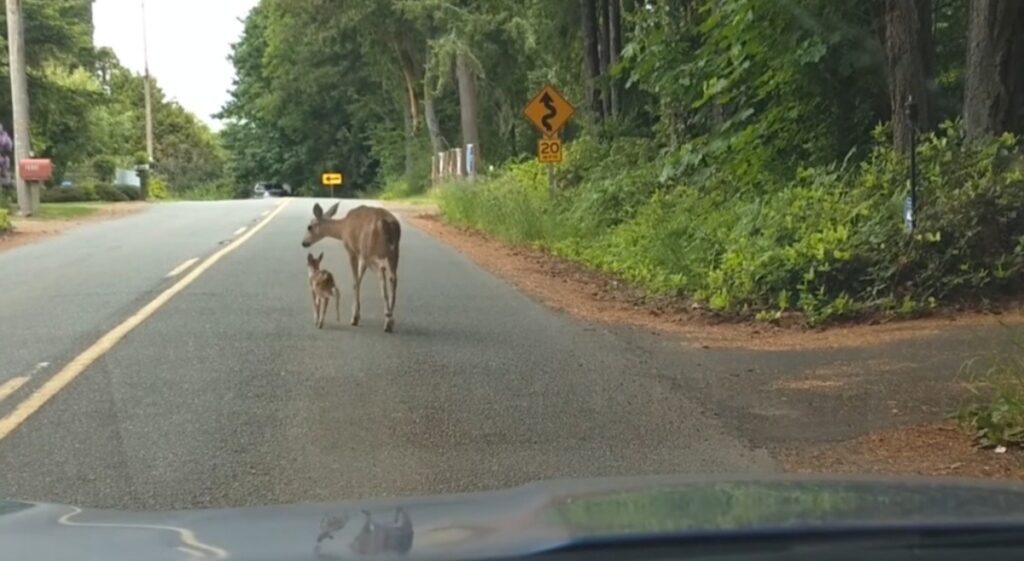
(549, 150)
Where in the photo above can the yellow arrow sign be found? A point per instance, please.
(331, 179)
(549, 111)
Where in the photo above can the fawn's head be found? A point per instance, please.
(315, 231)
(314, 262)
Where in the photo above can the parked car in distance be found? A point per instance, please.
(266, 189)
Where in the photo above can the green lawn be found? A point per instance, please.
(66, 211)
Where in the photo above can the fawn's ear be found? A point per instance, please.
(318, 212)
(332, 210)
(309, 259)
(321, 258)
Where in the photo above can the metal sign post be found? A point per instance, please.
(910, 205)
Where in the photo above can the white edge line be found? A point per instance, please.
(239, 231)
(180, 268)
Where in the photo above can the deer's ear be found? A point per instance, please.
(332, 210)
(309, 258)
(321, 258)
(318, 212)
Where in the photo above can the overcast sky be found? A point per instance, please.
(189, 42)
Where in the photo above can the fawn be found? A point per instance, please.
(371, 236)
(322, 287)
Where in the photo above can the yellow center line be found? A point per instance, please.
(73, 369)
(11, 386)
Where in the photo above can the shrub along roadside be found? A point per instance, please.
(994, 413)
(828, 242)
(5, 220)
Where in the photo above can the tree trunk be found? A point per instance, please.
(615, 38)
(409, 75)
(604, 52)
(907, 39)
(1017, 103)
(988, 89)
(468, 107)
(591, 62)
(433, 125)
(410, 142)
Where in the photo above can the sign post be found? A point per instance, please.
(549, 111)
(910, 206)
(332, 180)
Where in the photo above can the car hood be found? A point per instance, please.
(519, 521)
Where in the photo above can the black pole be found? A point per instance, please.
(912, 117)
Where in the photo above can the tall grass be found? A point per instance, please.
(994, 412)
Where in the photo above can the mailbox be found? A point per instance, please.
(35, 169)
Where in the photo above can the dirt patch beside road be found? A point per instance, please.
(939, 449)
(590, 295)
(28, 230)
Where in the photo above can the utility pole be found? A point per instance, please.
(144, 187)
(149, 98)
(28, 195)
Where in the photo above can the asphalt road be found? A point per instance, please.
(228, 396)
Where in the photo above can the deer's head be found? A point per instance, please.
(314, 262)
(315, 231)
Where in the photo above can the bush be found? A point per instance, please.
(130, 192)
(109, 193)
(398, 189)
(5, 220)
(827, 242)
(158, 189)
(994, 414)
(104, 167)
(214, 191)
(79, 194)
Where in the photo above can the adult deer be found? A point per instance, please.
(371, 237)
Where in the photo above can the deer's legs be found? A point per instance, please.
(385, 281)
(316, 307)
(358, 270)
(323, 312)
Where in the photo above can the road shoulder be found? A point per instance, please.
(31, 230)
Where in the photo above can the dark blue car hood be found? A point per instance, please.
(520, 521)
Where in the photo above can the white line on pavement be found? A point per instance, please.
(180, 268)
(240, 230)
(11, 386)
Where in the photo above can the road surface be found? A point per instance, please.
(226, 395)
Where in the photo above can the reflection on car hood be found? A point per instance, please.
(518, 521)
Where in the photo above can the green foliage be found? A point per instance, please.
(130, 192)
(80, 193)
(158, 189)
(5, 220)
(109, 193)
(104, 167)
(214, 191)
(398, 189)
(994, 413)
(828, 243)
